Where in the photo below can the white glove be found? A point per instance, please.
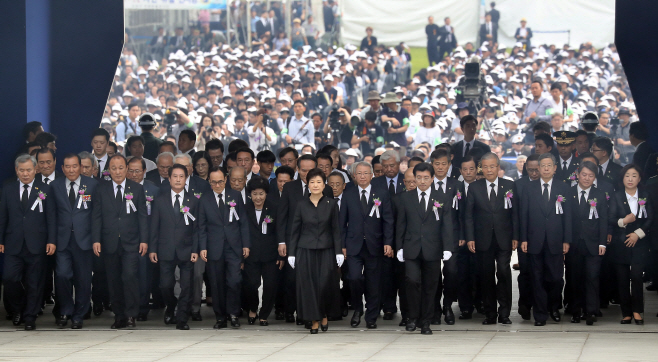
(291, 261)
(446, 255)
(400, 256)
(340, 258)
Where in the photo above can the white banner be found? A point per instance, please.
(174, 4)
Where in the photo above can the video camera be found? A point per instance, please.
(472, 88)
(334, 117)
(170, 117)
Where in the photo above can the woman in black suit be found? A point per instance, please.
(631, 213)
(263, 255)
(590, 231)
(315, 250)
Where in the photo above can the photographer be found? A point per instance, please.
(338, 126)
(368, 134)
(321, 139)
(178, 120)
(261, 137)
(299, 129)
(395, 120)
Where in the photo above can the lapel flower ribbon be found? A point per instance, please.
(186, 214)
(375, 207)
(149, 199)
(39, 201)
(592, 209)
(508, 199)
(455, 200)
(232, 212)
(197, 195)
(573, 179)
(558, 205)
(643, 210)
(106, 175)
(436, 208)
(129, 203)
(268, 220)
(82, 200)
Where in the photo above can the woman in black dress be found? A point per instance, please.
(315, 251)
(631, 213)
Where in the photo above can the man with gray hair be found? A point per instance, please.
(160, 176)
(238, 180)
(89, 164)
(367, 234)
(195, 185)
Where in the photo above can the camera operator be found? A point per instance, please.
(338, 126)
(261, 137)
(395, 121)
(368, 134)
(299, 129)
(178, 120)
(321, 139)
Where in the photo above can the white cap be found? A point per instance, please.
(128, 94)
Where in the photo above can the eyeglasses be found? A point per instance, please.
(217, 183)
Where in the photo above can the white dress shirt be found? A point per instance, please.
(258, 213)
(632, 202)
(580, 190)
(340, 199)
(395, 182)
(180, 198)
(633, 205)
(472, 143)
(428, 193)
(101, 162)
(223, 197)
(443, 186)
(76, 185)
(550, 185)
(50, 178)
(244, 195)
(561, 165)
(604, 166)
(489, 187)
(29, 189)
(123, 187)
(367, 190)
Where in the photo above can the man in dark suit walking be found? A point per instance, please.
(174, 242)
(28, 232)
(195, 185)
(367, 234)
(638, 135)
(608, 170)
(489, 31)
(448, 41)
(492, 202)
(424, 237)
(72, 195)
(100, 139)
(224, 244)
(120, 235)
(164, 162)
(460, 149)
(567, 166)
(545, 236)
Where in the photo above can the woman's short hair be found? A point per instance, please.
(316, 172)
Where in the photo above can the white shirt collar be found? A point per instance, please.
(51, 177)
(629, 197)
(76, 181)
(173, 195)
(123, 185)
(568, 161)
(443, 186)
(187, 183)
(605, 166)
(30, 185)
(550, 183)
(367, 190)
(427, 192)
(581, 190)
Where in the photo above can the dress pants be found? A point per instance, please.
(608, 281)
(447, 287)
(585, 271)
(254, 271)
(123, 280)
(23, 279)
(226, 283)
(74, 268)
(197, 285)
(524, 279)
(422, 279)
(394, 287)
(145, 275)
(168, 282)
(49, 281)
(100, 293)
(496, 280)
(364, 275)
(289, 289)
(631, 300)
(547, 282)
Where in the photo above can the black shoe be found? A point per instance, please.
(591, 318)
(411, 326)
(182, 326)
(314, 331)
(426, 329)
(118, 324)
(279, 316)
(290, 318)
(489, 321)
(98, 309)
(18, 319)
(599, 314)
(465, 315)
(169, 318)
(196, 317)
(540, 324)
(49, 301)
(76, 325)
(504, 320)
(308, 324)
(220, 324)
(264, 324)
(403, 322)
(142, 317)
(251, 320)
(88, 314)
(449, 315)
(62, 321)
(30, 326)
(299, 322)
(555, 315)
(130, 323)
(325, 327)
(575, 319)
(639, 322)
(651, 287)
(436, 319)
(356, 319)
(626, 321)
(344, 311)
(235, 322)
(388, 316)
(371, 325)
(524, 311)
(108, 306)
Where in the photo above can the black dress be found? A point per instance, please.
(315, 242)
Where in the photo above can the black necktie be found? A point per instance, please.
(220, 200)
(422, 201)
(441, 188)
(177, 207)
(306, 191)
(119, 196)
(600, 170)
(468, 148)
(564, 166)
(100, 168)
(492, 194)
(391, 188)
(546, 194)
(583, 202)
(24, 197)
(72, 194)
(364, 201)
(46, 180)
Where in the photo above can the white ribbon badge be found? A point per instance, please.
(264, 228)
(558, 208)
(232, 214)
(642, 213)
(186, 216)
(130, 205)
(39, 203)
(593, 213)
(375, 210)
(148, 207)
(436, 213)
(81, 202)
(455, 203)
(508, 203)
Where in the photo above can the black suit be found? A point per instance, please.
(524, 280)
(51, 260)
(149, 273)
(196, 186)
(24, 232)
(120, 234)
(448, 41)
(545, 232)
(74, 254)
(423, 239)
(458, 151)
(484, 31)
(364, 236)
(263, 256)
(641, 155)
(223, 236)
(154, 176)
(612, 172)
(526, 40)
(468, 289)
(583, 260)
(650, 167)
(174, 239)
(497, 226)
(564, 174)
(448, 287)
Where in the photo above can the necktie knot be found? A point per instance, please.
(25, 187)
(492, 185)
(422, 194)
